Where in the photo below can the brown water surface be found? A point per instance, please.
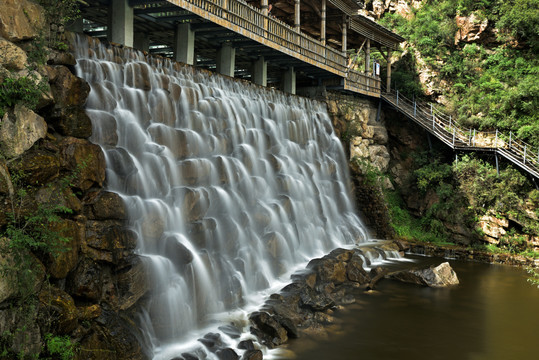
(493, 314)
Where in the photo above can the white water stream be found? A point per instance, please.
(228, 185)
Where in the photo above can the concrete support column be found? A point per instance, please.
(260, 72)
(226, 57)
(296, 15)
(142, 41)
(121, 23)
(344, 33)
(388, 70)
(368, 56)
(323, 23)
(264, 6)
(289, 81)
(184, 44)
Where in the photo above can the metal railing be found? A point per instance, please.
(441, 125)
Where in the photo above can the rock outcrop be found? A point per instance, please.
(78, 276)
(306, 305)
(435, 276)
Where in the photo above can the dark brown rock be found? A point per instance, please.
(71, 121)
(86, 282)
(355, 271)
(65, 258)
(328, 270)
(252, 355)
(109, 241)
(132, 283)
(227, 354)
(58, 196)
(58, 309)
(246, 345)
(61, 58)
(272, 331)
(101, 205)
(67, 89)
(111, 336)
(37, 167)
(85, 159)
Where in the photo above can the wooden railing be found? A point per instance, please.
(441, 125)
(249, 21)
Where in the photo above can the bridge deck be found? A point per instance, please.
(250, 22)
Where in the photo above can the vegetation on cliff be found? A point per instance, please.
(488, 79)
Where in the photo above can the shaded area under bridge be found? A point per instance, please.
(284, 44)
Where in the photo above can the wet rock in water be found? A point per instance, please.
(227, 354)
(252, 355)
(435, 276)
(376, 274)
(269, 330)
(246, 345)
(231, 330)
(315, 300)
(212, 341)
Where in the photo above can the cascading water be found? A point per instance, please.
(228, 185)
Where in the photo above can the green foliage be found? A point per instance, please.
(25, 90)
(408, 227)
(492, 85)
(533, 276)
(61, 12)
(521, 19)
(59, 347)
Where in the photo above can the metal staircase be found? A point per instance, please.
(439, 124)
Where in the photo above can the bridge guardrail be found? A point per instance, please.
(440, 124)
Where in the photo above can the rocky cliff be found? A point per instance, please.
(70, 276)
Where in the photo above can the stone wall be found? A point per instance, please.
(89, 288)
(362, 130)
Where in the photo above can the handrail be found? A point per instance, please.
(248, 20)
(441, 124)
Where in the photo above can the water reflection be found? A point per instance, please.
(490, 315)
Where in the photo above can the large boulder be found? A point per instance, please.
(101, 205)
(13, 57)
(70, 93)
(65, 256)
(435, 276)
(37, 167)
(19, 130)
(59, 308)
(85, 160)
(21, 19)
(111, 336)
(269, 329)
(109, 241)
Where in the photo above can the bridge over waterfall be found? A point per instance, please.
(283, 44)
(436, 122)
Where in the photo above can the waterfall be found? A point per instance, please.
(228, 185)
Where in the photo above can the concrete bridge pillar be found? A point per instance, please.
(323, 23)
(260, 72)
(184, 44)
(121, 22)
(289, 81)
(142, 41)
(344, 33)
(368, 56)
(226, 57)
(297, 24)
